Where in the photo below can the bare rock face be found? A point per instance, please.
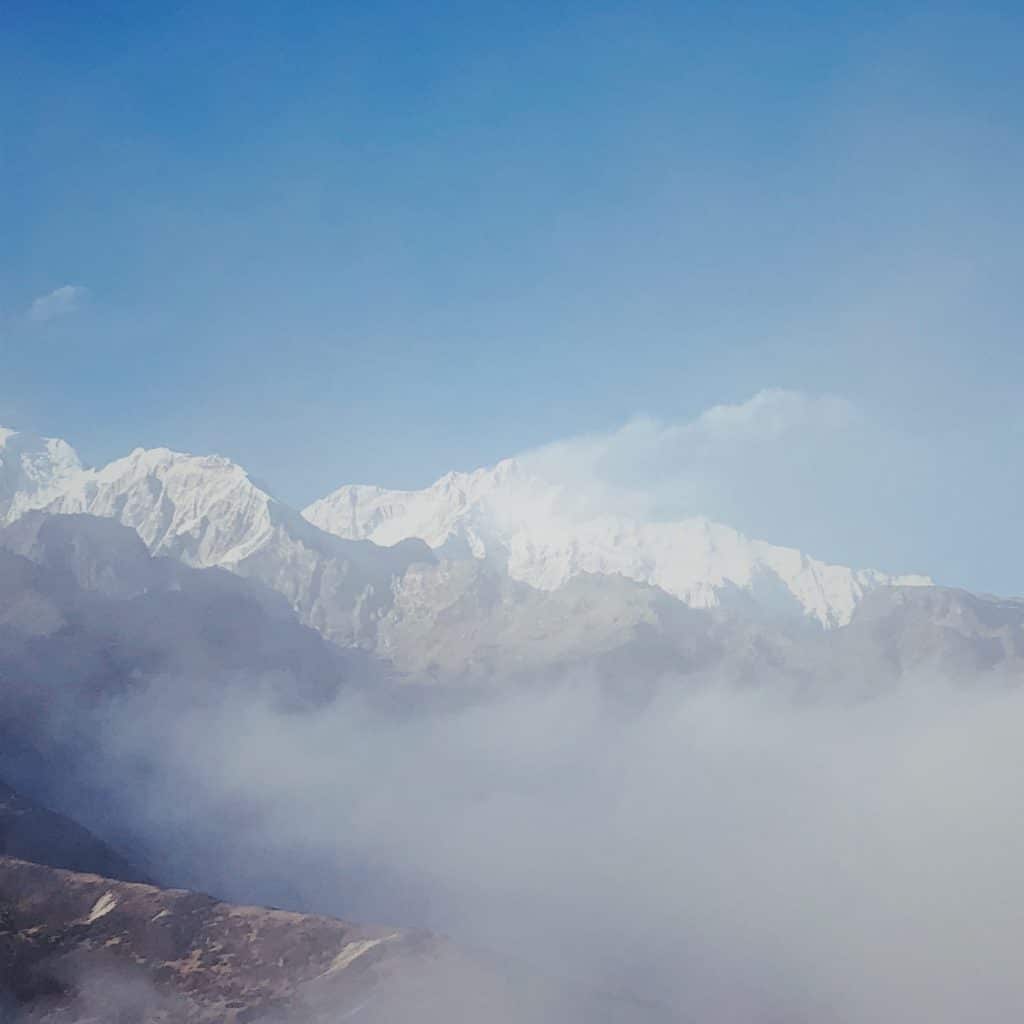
(83, 948)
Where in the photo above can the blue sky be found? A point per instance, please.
(372, 242)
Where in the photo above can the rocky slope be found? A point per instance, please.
(467, 621)
(84, 593)
(935, 632)
(80, 947)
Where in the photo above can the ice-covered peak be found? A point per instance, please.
(203, 509)
(454, 503)
(544, 534)
(33, 471)
(206, 511)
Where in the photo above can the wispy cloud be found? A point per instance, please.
(689, 467)
(817, 472)
(60, 302)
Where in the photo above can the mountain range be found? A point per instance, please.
(495, 574)
(343, 564)
(535, 530)
(159, 613)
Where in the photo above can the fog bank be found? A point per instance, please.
(732, 854)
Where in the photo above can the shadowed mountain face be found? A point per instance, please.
(89, 620)
(82, 598)
(207, 512)
(79, 947)
(86, 613)
(31, 832)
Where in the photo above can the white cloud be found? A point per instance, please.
(695, 467)
(727, 853)
(770, 415)
(60, 302)
(815, 472)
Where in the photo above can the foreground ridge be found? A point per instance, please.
(80, 947)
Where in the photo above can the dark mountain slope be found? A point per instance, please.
(31, 832)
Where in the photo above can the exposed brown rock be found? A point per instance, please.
(187, 954)
(83, 948)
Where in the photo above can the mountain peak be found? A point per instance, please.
(206, 511)
(33, 470)
(544, 534)
(203, 509)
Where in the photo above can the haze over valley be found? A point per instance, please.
(626, 756)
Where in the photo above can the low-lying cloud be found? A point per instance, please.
(731, 854)
(816, 472)
(651, 466)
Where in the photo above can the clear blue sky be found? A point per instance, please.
(376, 241)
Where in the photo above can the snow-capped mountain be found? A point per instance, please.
(341, 564)
(33, 471)
(206, 511)
(534, 528)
